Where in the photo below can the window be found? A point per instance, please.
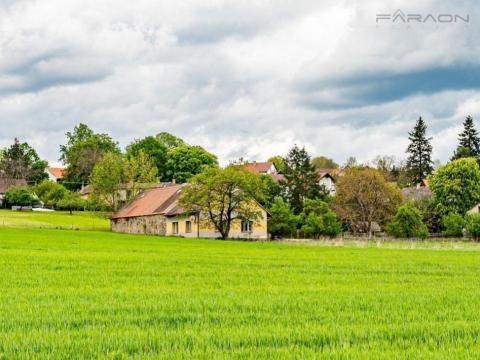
(247, 226)
(188, 226)
(175, 227)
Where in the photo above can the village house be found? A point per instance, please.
(327, 181)
(55, 174)
(156, 211)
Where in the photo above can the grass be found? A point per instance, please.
(57, 220)
(78, 294)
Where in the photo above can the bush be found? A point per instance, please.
(20, 196)
(50, 192)
(317, 219)
(282, 221)
(453, 225)
(407, 223)
(472, 225)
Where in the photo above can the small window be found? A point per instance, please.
(175, 227)
(247, 226)
(188, 226)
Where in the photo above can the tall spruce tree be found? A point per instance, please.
(301, 180)
(468, 141)
(419, 162)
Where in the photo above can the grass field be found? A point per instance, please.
(57, 220)
(80, 294)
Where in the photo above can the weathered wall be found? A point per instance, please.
(150, 225)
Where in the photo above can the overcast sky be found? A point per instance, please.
(241, 78)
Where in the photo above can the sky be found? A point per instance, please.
(241, 78)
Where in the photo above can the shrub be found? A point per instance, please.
(453, 224)
(407, 223)
(282, 221)
(472, 225)
(317, 219)
(50, 192)
(20, 196)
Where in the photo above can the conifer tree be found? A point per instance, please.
(469, 141)
(419, 162)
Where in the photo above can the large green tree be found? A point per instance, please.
(301, 179)
(186, 161)
(221, 196)
(84, 148)
(282, 221)
(419, 162)
(154, 149)
(138, 171)
(468, 141)
(50, 192)
(21, 161)
(170, 141)
(323, 162)
(456, 186)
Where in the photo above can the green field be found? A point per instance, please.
(80, 294)
(81, 220)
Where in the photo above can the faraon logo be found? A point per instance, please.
(400, 17)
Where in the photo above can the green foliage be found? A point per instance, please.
(472, 225)
(453, 224)
(169, 141)
(322, 162)
(318, 220)
(106, 178)
(469, 141)
(50, 192)
(456, 186)
(137, 171)
(282, 221)
(71, 201)
(272, 190)
(419, 162)
(154, 149)
(431, 216)
(278, 161)
(301, 179)
(20, 196)
(186, 161)
(222, 196)
(407, 223)
(21, 161)
(83, 150)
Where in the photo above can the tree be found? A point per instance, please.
(20, 196)
(277, 160)
(387, 165)
(72, 201)
(352, 163)
(138, 170)
(472, 225)
(456, 186)
(21, 161)
(453, 224)
(364, 197)
(469, 141)
(83, 150)
(221, 196)
(186, 161)
(407, 223)
(318, 219)
(301, 179)
(272, 190)
(50, 192)
(170, 141)
(154, 149)
(322, 162)
(282, 221)
(419, 161)
(106, 178)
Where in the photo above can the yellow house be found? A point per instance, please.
(156, 212)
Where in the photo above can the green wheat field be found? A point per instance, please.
(67, 294)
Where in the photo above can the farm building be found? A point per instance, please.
(55, 174)
(156, 212)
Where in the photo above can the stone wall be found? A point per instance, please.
(150, 225)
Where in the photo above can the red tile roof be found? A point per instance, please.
(160, 200)
(258, 167)
(56, 172)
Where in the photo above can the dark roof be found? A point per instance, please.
(6, 184)
(416, 193)
(156, 201)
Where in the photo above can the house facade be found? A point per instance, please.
(55, 174)
(156, 211)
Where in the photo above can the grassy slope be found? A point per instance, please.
(75, 294)
(58, 219)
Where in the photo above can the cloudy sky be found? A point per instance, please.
(241, 78)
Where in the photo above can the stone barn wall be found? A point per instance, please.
(149, 225)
